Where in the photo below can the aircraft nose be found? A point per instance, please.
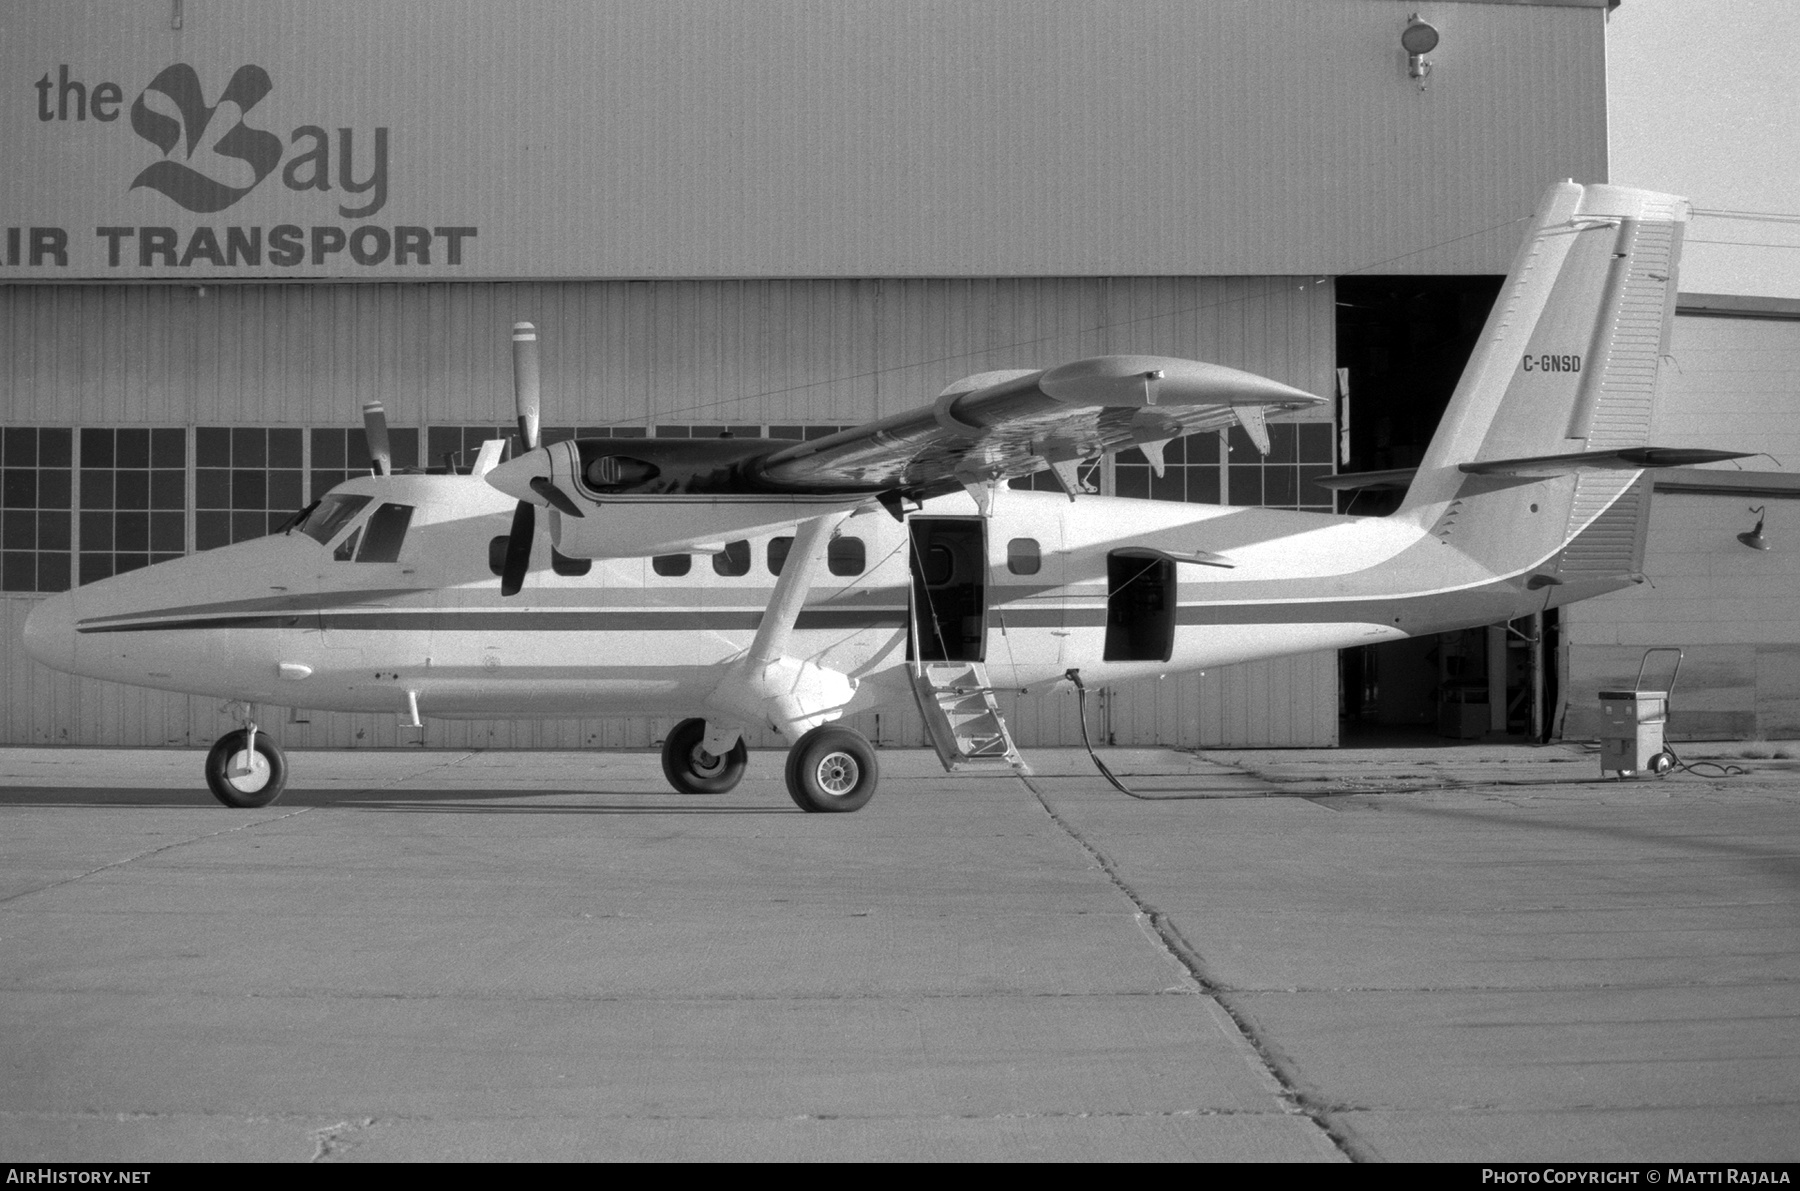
(50, 632)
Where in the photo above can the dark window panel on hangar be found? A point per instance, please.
(709, 430)
(342, 453)
(1299, 453)
(804, 433)
(1090, 471)
(132, 497)
(1222, 468)
(457, 446)
(36, 496)
(247, 481)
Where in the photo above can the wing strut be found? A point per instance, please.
(776, 630)
(768, 685)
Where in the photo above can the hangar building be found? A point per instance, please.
(225, 226)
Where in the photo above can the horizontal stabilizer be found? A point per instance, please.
(1396, 479)
(1627, 459)
(1623, 459)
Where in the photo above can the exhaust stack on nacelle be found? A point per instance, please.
(375, 432)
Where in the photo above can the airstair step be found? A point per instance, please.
(961, 717)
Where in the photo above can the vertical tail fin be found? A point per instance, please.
(1568, 362)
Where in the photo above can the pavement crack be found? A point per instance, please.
(157, 851)
(1232, 1019)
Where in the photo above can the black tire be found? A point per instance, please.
(693, 770)
(246, 791)
(832, 769)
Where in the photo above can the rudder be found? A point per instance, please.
(1568, 362)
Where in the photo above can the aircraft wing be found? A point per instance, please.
(674, 495)
(997, 425)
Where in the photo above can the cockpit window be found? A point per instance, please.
(385, 533)
(618, 473)
(322, 524)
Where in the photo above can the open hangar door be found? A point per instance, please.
(1402, 344)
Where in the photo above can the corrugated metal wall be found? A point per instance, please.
(633, 352)
(1733, 384)
(784, 138)
(830, 352)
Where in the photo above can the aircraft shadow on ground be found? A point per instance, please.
(410, 801)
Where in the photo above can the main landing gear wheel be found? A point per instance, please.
(236, 783)
(693, 770)
(832, 768)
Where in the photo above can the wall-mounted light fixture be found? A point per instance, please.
(1754, 539)
(1418, 39)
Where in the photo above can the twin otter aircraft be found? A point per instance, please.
(904, 569)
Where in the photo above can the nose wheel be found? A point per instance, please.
(246, 773)
(832, 768)
(693, 770)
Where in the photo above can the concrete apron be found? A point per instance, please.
(1453, 954)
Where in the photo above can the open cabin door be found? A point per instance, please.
(949, 589)
(947, 644)
(1140, 606)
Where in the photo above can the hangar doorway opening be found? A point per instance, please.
(1402, 344)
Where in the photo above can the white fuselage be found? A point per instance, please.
(284, 620)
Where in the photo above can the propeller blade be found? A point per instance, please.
(375, 431)
(559, 500)
(525, 383)
(518, 548)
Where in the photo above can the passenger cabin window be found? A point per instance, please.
(939, 565)
(847, 556)
(778, 552)
(844, 556)
(672, 565)
(561, 563)
(385, 533)
(733, 560)
(331, 515)
(1022, 556)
